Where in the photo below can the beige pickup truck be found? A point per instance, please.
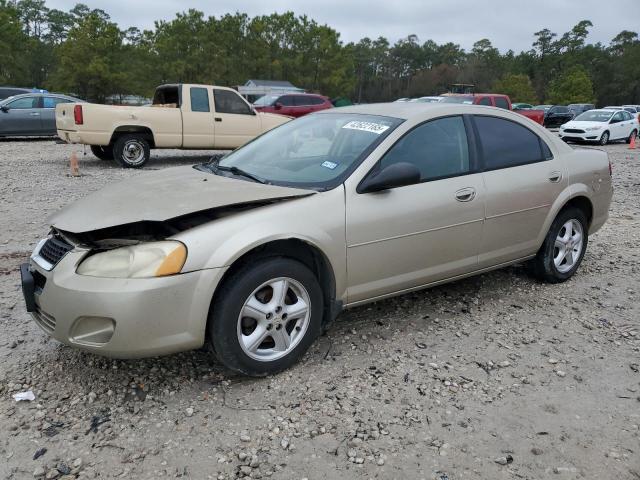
(182, 116)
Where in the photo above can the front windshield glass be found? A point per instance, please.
(315, 151)
(594, 116)
(468, 100)
(266, 100)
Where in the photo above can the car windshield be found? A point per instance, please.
(466, 99)
(315, 151)
(266, 100)
(594, 116)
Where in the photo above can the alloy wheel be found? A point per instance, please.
(568, 246)
(274, 319)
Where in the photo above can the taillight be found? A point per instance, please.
(77, 114)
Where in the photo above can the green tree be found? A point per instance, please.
(573, 86)
(91, 62)
(518, 87)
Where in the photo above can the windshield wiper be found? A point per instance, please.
(214, 167)
(238, 171)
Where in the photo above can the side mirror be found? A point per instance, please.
(4, 108)
(395, 175)
(278, 105)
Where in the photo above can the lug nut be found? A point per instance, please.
(284, 316)
(278, 327)
(270, 326)
(269, 315)
(278, 309)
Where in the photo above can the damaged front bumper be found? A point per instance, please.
(119, 317)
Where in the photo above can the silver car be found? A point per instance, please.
(258, 251)
(31, 114)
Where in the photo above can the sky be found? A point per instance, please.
(509, 24)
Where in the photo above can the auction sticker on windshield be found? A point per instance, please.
(372, 127)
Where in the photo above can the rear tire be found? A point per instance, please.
(257, 331)
(604, 139)
(102, 152)
(632, 136)
(563, 248)
(131, 151)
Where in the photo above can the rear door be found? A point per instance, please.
(236, 122)
(522, 180)
(288, 106)
(48, 116)
(22, 117)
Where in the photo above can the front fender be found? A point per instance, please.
(317, 220)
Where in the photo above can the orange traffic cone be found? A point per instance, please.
(73, 163)
(632, 143)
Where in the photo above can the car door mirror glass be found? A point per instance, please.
(278, 105)
(395, 175)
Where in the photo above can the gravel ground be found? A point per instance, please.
(493, 377)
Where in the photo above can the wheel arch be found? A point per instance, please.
(297, 249)
(143, 131)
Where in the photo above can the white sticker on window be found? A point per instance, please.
(329, 165)
(376, 128)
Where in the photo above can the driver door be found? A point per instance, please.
(419, 234)
(236, 123)
(22, 117)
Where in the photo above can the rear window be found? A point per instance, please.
(505, 143)
(501, 102)
(168, 96)
(199, 100)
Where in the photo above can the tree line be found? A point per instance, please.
(83, 52)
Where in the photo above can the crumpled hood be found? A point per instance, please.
(163, 195)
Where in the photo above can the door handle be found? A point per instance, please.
(555, 177)
(34, 114)
(217, 119)
(466, 194)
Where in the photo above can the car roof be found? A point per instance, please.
(410, 110)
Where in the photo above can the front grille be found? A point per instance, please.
(54, 249)
(46, 321)
(573, 130)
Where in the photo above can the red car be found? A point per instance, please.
(494, 100)
(292, 104)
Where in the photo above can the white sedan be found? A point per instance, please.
(601, 126)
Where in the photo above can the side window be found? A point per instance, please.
(316, 101)
(229, 102)
(51, 102)
(287, 101)
(627, 116)
(485, 101)
(23, 103)
(501, 102)
(505, 144)
(617, 117)
(438, 148)
(302, 100)
(199, 99)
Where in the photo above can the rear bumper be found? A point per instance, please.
(84, 138)
(121, 318)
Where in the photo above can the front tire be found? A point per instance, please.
(131, 151)
(265, 316)
(102, 152)
(604, 139)
(563, 248)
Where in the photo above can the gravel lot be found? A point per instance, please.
(493, 377)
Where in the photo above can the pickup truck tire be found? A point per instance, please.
(563, 248)
(103, 153)
(131, 151)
